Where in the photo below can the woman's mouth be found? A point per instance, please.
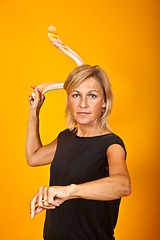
(83, 113)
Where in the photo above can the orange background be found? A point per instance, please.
(120, 36)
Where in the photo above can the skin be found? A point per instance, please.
(86, 103)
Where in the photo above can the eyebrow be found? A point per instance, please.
(88, 92)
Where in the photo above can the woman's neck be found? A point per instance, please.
(86, 131)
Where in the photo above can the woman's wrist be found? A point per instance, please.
(72, 191)
(33, 118)
(33, 122)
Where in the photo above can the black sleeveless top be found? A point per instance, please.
(78, 160)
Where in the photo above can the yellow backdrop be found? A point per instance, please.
(120, 36)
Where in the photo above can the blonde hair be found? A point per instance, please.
(75, 78)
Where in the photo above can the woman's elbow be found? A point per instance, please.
(127, 188)
(31, 163)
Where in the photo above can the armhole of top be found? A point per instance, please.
(115, 139)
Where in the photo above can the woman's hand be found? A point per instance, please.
(49, 198)
(35, 104)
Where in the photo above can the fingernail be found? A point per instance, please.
(31, 215)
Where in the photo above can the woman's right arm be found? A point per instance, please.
(36, 153)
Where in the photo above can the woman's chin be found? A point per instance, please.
(85, 122)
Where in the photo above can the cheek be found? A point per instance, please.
(72, 106)
(98, 108)
(99, 104)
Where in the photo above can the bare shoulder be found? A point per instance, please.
(116, 160)
(116, 150)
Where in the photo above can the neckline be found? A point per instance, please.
(107, 134)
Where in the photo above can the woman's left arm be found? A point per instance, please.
(115, 186)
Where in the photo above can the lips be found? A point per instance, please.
(83, 113)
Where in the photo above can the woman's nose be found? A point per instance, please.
(83, 102)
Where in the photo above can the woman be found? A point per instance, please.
(88, 174)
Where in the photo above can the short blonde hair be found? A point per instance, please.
(75, 78)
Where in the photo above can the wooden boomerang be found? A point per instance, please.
(55, 40)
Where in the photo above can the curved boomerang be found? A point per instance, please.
(55, 40)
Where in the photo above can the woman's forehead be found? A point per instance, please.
(90, 83)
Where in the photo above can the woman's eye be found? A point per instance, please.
(75, 95)
(92, 96)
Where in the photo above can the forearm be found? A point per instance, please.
(33, 141)
(104, 189)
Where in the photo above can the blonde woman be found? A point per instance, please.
(88, 174)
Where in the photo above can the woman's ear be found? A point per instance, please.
(104, 104)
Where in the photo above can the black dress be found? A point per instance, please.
(79, 160)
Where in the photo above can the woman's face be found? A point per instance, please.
(86, 102)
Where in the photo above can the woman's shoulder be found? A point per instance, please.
(114, 136)
(65, 133)
(115, 139)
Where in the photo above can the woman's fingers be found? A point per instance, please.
(39, 202)
(57, 195)
(39, 98)
(48, 198)
(37, 101)
(40, 197)
(33, 203)
(45, 196)
(38, 95)
(38, 210)
(36, 203)
(42, 97)
(30, 95)
(45, 201)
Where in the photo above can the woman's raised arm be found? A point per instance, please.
(36, 153)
